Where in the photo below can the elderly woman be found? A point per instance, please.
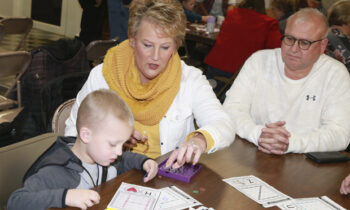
(164, 94)
(339, 34)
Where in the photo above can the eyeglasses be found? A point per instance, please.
(302, 43)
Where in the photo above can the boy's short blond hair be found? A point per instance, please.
(99, 104)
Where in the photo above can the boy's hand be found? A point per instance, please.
(151, 167)
(345, 186)
(82, 198)
(136, 137)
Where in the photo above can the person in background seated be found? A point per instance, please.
(339, 33)
(192, 17)
(317, 4)
(164, 94)
(63, 175)
(282, 9)
(233, 4)
(212, 7)
(345, 186)
(293, 99)
(92, 20)
(244, 31)
(299, 4)
(118, 15)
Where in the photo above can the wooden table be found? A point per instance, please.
(200, 36)
(292, 174)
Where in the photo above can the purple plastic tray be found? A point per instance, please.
(184, 173)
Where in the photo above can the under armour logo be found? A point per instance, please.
(308, 97)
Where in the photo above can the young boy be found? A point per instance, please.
(63, 174)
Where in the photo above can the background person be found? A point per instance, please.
(118, 15)
(92, 20)
(244, 31)
(282, 9)
(212, 7)
(293, 99)
(339, 33)
(164, 94)
(317, 4)
(192, 17)
(299, 4)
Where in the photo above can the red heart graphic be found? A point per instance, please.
(132, 189)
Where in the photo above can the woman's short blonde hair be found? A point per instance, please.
(168, 15)
(99, 104)
(339, 13)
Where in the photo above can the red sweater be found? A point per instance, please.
(243, 32)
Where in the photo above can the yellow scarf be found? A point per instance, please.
(148, 102)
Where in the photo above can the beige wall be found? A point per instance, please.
(6, 8)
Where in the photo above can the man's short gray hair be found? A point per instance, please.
(306, 14)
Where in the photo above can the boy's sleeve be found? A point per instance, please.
(130, 160)
(37, 193)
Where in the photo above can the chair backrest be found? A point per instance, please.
(97, 49)
(2, 32)
(61, 115)
(15, 160)
(13, 65)
(17, 25)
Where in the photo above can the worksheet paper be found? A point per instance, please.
(257, 190)
(130, 197)
(172, 198)
(133, 197)
(268, 196)
(315, 203)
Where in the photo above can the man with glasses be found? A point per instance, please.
(294, 98)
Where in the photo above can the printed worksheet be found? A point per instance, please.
(315, 203)
(134, 197)
(172, 198)
(130, 197)
(257, 190)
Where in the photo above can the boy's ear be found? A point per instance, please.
(85, 134)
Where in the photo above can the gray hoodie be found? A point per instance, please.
(58, 170)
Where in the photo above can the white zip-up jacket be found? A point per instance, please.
(195, 100)
(316, 109)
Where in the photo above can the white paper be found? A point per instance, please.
(172, 198)
(130, 197)
(257, 190)
(317, 203)
(134, 197)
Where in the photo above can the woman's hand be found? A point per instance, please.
(194, 147)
